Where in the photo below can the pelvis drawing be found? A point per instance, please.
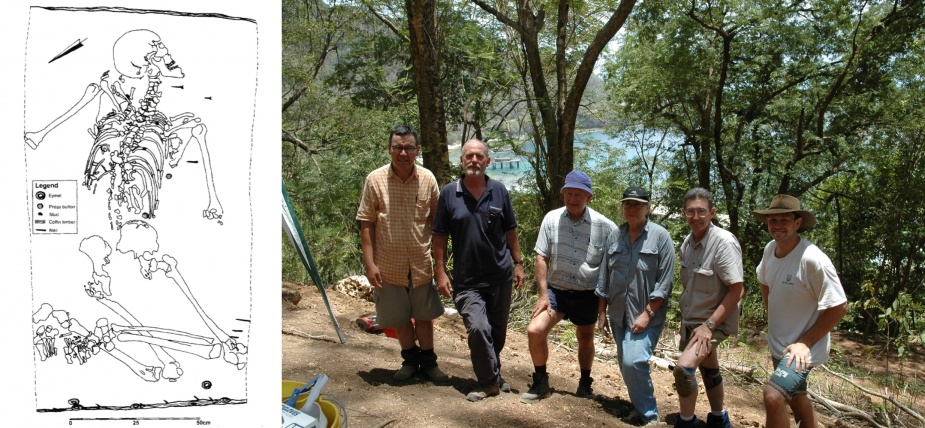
(58, 334)
(138, 149)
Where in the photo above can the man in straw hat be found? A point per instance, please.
(804, 300)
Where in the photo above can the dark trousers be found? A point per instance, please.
(485, 312)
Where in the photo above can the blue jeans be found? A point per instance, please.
(634, 351)
(787, 380)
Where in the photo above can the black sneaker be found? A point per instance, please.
(538, 390)
(719, 421)
(681, 423)
(584, 388)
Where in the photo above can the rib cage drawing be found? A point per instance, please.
(139, 162)
(133, 141)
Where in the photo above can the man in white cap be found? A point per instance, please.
(569, 249)
(805, 301)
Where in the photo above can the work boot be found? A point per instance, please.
(538, 390)
(480, 394)
(584, 388)
(409, 365)
(718, 421)
(428, 361)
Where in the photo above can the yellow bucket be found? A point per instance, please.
(330, 410)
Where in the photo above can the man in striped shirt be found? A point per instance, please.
(396, 214)
(569, 250)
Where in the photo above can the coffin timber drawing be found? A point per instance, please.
(133, 141)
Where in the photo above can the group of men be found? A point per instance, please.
(592, 272)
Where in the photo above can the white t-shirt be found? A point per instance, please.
(801, 285)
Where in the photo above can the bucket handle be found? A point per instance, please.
(315, 385)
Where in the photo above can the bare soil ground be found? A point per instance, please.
(361, 369)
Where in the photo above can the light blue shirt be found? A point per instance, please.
(632, 274)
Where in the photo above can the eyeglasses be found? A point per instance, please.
(406, 149)
(633, 204)
(691, 213)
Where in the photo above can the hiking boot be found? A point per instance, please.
(483, 393)
(680, 423)
(584, 388)
(538, 390)
(718, 421)
(428, 366)
(409, 365)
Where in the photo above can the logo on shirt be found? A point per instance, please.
(789, 280)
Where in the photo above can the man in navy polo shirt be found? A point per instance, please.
(476, 212)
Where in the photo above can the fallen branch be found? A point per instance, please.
(384, 424)
(893, 401)
(844, 410)
(295, 332)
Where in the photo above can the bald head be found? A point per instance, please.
(475, 157)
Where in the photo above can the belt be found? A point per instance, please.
(559, 290)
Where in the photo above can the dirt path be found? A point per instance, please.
(361, 371)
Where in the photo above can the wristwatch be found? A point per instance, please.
(651, 313)
(710, 324)
(516, 262)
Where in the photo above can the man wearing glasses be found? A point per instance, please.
(712, 275)
(396, 213)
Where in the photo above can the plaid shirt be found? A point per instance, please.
(402, 213)
(574, 248)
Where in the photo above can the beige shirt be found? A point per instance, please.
(707, 268)
(403, 213)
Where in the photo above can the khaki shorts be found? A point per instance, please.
(396, 304)
(686, 331)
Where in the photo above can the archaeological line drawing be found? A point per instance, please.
(132, 140)
(139, 165)
(57, 333)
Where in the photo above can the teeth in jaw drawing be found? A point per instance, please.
(133, 141)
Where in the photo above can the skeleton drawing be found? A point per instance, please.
(133, 141)
(139, 239)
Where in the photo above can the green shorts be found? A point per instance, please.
(396, 304)
(686, 331)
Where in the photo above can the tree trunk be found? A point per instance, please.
(425, 63)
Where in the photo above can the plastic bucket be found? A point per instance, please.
(291, 385)
(323, 411)
(331, 412)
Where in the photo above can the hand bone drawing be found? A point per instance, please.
(132, 139)
(139, 239)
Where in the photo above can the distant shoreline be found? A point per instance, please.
(455, 147)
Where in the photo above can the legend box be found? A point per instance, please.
(54, 206)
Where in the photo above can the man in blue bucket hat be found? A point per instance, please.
(569, 249)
